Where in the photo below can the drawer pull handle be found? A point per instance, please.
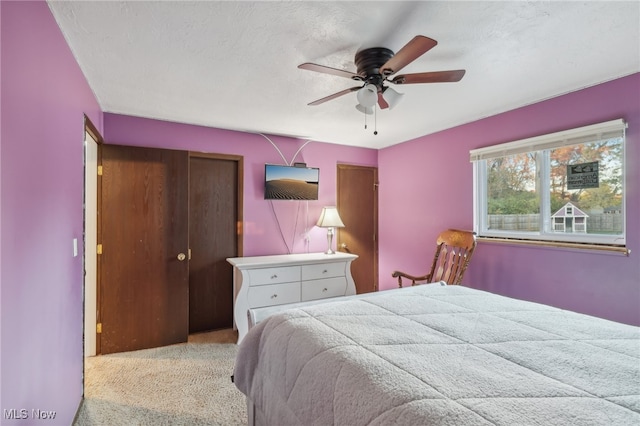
(274, 296)
(325, 271)
(274, 276)
(324, 290)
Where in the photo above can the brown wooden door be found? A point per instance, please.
(213, 218)
(358, 207)
(143, 220)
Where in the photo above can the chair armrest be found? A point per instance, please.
(400, 275)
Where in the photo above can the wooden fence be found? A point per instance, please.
(596, 223)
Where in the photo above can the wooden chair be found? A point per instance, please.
(453, 253)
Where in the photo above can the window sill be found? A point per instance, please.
(557, 244)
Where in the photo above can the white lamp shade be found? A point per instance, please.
(392, 97)
(368, 111)
(368, 95)
(329, 218)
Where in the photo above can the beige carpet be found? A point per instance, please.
(184, 384)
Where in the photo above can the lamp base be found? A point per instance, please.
(329, 241)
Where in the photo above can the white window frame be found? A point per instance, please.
(542, 145)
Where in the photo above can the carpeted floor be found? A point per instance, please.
(184, 384)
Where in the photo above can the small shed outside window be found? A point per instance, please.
(569, 219)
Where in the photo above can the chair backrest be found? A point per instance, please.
(453, 253)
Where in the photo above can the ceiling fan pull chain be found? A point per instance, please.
(375, 120)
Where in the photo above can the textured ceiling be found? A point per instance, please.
(233, 64)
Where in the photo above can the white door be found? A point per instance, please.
(90, 242)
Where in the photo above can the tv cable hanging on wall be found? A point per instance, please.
(298, 165)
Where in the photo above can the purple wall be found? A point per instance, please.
(425, 186)
(437, 173)
(43, 98)
(262, 234)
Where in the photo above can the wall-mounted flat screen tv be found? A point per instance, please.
(290, 182)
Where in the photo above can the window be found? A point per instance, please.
(563, 187)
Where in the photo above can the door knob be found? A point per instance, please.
(181, 257)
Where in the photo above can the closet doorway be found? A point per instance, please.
(214, 188)
(168, 221)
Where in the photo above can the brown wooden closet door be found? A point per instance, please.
(358, 208)
(143, 220)
(213, 219)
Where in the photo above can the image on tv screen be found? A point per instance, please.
(290, 183)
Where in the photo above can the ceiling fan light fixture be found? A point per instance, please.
(365, 110)
(392, 97)
(368, 96)
(376, 65)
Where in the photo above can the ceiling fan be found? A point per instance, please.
(376, 65)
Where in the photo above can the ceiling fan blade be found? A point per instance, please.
(335, 95)
(430, 77)
(382, 102)
(418, 46)
(328, 70)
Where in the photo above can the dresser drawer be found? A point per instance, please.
(274, 294)
(274, 275)
(321, 289)
(323, 270)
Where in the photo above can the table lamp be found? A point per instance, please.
(330, 219)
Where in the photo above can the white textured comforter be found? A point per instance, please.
(440, 355)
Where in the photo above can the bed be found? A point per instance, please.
(438, 355)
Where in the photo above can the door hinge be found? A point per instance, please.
(99, 249)
(99, 170)
(375, 186)
(99, 328)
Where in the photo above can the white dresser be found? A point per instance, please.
(262, 281)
